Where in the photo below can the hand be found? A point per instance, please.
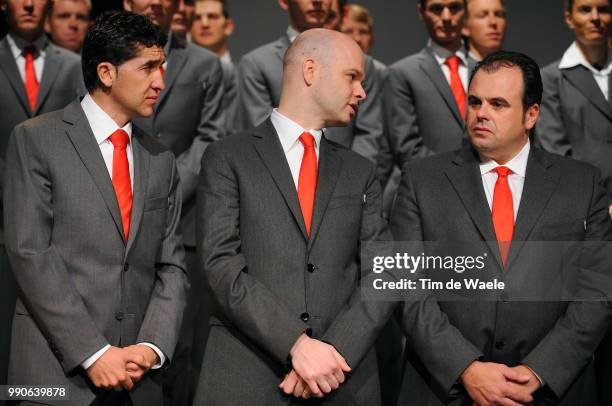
(321, 367)
(109, 371)
(294, 384)
(489, 383)
(534, 383)
(610, 210)
(147, 358)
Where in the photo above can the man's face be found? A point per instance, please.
(334, 17)
(160, 12)
(360, 32)
(444, 20)
(498, 127)
(338, 89)
(210, 28)
(182, 18)
(306, 14)
(139, 82)
(486, 25)
(591, 21)
(68, 23)
(25, 17)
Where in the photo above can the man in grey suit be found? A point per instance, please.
(92, 208)
(282, 211)
(54, 80)
(187, 118)
(500, 349)
(260, 75)
(576, 118)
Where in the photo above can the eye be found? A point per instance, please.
(474, 102)
(584, 9)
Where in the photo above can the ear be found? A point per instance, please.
(283, 4)
(3, 6)
(465, 31)
(309, 68)
(531, 116)
(107, 74)
(420, 12)
(569, 20)
(229, 27)
(48, 23)
(127, 5)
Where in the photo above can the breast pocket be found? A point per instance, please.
(156, 203)
(572, 230)
(345, 201)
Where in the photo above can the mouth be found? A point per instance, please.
(316, 14)
(354, 107)
(481, 130)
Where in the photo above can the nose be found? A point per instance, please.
(492, 20)
(446, 14)
(594, 14)
(359, 92)
(180, 7)
(72, 22)
(28, 5)
(158, 81)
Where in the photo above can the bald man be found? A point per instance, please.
(282, 264)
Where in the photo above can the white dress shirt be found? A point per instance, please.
(289, 134)
(292, 33)
(103, 126)
(516, 180)
(574, 57)
(441, 54)
(17, 46)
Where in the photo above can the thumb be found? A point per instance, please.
(136, 358)
(341, 361)
(515, 376)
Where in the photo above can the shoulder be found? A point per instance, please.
(356, 163)
(551, 70)
(261, 53)
(200, 54)
(68, 57)
(568, 167)
(409, 61)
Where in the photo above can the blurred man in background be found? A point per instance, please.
(485, 27)
(67, 22)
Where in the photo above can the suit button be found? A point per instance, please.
(499, 345)
(126, 267)
(311, 268)
(119, 316)
(304, 317)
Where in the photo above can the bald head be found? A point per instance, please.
(322, 74)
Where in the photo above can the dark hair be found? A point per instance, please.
(569, 4)
(423, 3)
(224, 6)
(532, 81)
(116, 37)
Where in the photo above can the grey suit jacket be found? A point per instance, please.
(188, 117)
(270, 282)
(420, 108)
(81, 284)
(442, 199)
(230, 95)
(260, 74)
(576, 119)
(61, 82)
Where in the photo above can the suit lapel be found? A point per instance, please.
(271, 152)
(141, 176)
(329, 170)
(281, 46)
(176, 60)
(53, 63)
(583, 80)
(610, 91)
(541, 180)
(84, 142)
(9, 66)
(430, 66)
(466, 179)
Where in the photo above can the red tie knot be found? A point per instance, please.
(120, 139)
(307, 140)
(452, 62)
(503, 171)
(30, 50)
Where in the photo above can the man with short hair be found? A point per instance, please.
(502, 194)
(182, 18)
(92, 209)
(336, 15)
(212, 26)
(187, 118)
(260, 77)
(67, 22)
(35, 77)
(485, 27)
(289, 302)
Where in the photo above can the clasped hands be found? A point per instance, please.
(118, 368)
(317, 369)
(490, 384)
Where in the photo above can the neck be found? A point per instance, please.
(219, 49)
(597, 54)
(451, 46)
(301, 115)
(110, 107)
(478, 54)
(503, 157)
(29, 37)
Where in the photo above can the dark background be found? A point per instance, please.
(535, 27)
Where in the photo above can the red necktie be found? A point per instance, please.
(455, 82)
(307, 182)
(31, 83)
(162, 70)
(503, 212)
(121, 177)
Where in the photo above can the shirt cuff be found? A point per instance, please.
(90, 361)
(160, 354)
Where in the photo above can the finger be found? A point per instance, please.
(298, 391)
(290, 383)
(306, 394)
(339, 377)
(508, 402)
(136, 375)
(341, 361)
(314, 388)
(332, 381)
(518, 393)
(138, 359)
(514, 376)
(324, 385)
(130, 366)
(126, 382)
(280, 385)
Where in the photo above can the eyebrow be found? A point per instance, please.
(151, 63)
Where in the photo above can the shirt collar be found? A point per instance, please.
(292, 33)
(17, 44)
(289, 131)
(518, 164)
(101, 123)
(441, 53)
(226, 57)
(574, 57)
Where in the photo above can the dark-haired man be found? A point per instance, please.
(92, 208)
(35, 77)
(501, 349)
